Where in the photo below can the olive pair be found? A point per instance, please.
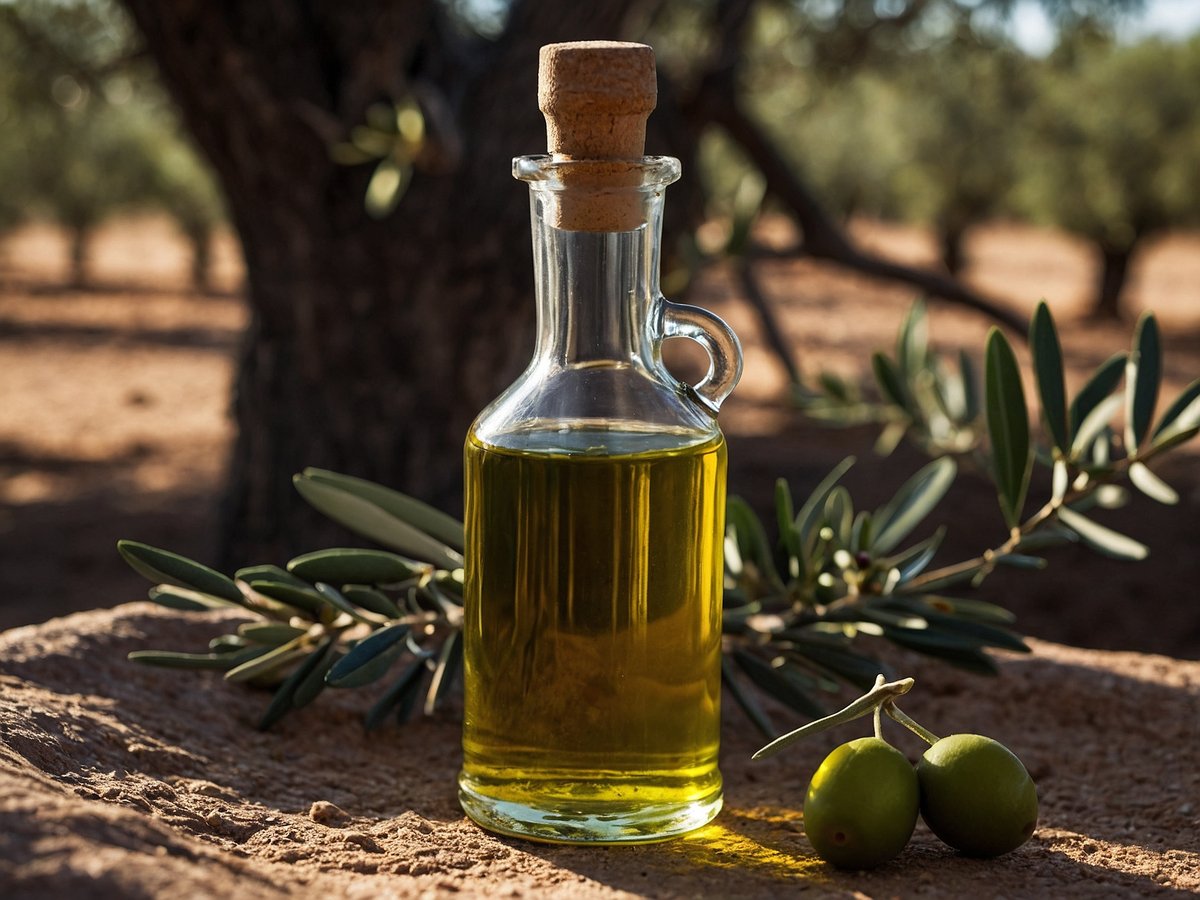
(972, 792)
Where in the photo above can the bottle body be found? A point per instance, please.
(592, 635)
(595, 504)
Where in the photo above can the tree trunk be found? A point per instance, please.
(372, 344)
(953, 258)
(201, 241)
(1114, 273)
(80, 238)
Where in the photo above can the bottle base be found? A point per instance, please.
(562, 821)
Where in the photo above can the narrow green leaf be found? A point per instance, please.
(371, 600)
(963, 651)
(1051, 535)
(1060, 480)
(353, 565)
(1102, 383)
(912, 503)
(403, 688)
(273, 574)
(449, 665)
(1048, 369)
(890, 384)
(1143, 375)
(272, 661)
(986, 633)
(745, 699)
(785, 515)
(912, 562)
(1184, 412)
(228, 643)
(839, 514)
(1094, 423)
(776, 682)
(302, 598)
(1173, 437)
(375, 522)
(890, 437)
(188, 600)
(939, 578)
(912, 341)
(168, 659)
(861, 532)
(1021, 561)
(270, 633)
(968, 608)
(369, 659)
(1151, 485)
(810, 511)
(284, 700)
(1105, 540)
(334, 597)
(171, 568)
(421, 516)
(970, 384)
(751, 539)
(313, 682)
(858, 670)
(1008, 426)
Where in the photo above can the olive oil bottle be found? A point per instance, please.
(595, 502)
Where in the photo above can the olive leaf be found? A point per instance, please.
(1143, 374)
(1098, 537)
(430, 521)
(916, 498)
(1102, 383)
(1151, 485)
(171, 568)
(371, 520)
(1184, 413)
(353, 565)
(369, 659)
(1008, 426)
(1048, 372)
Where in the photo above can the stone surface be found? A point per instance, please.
(118, 780)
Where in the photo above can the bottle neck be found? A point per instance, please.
(596, 290)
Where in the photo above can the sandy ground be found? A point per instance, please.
(119, 781)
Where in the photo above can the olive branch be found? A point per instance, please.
(793, 608)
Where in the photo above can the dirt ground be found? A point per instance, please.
(113, 415)
(121, 781)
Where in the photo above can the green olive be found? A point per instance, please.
(862, 804)
(976, 795)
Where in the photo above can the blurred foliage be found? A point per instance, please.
(87, 131)
(1111, 150)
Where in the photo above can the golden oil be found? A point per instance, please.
(592, 634)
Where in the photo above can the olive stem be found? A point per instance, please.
(908, 722)
(864, 706)
(878, 717)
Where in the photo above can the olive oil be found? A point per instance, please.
(592, 632)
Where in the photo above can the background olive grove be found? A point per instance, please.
(361, 157)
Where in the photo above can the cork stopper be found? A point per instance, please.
(596, 96)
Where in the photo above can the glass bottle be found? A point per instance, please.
(595, 502)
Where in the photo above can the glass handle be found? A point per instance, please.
(723, 347)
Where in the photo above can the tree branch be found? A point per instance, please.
(716, 102)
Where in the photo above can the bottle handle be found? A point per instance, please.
(710, 332)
